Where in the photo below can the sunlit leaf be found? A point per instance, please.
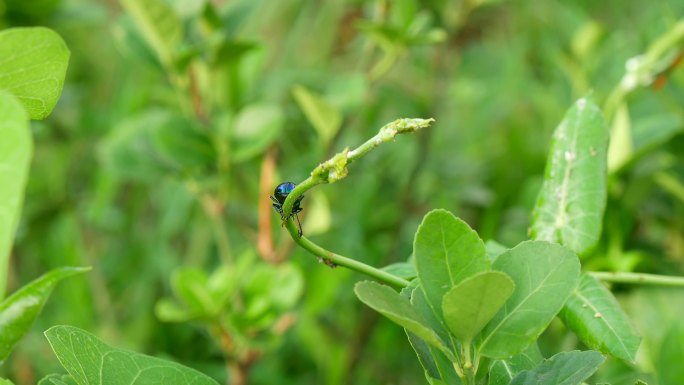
(569, 208)
(33, 66)
(92, 362)
(16, 146)
(18, 311)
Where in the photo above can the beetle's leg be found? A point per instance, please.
(299, 225)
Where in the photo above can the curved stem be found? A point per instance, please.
(638, 278)
(333, 259)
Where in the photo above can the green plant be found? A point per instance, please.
(147, 171)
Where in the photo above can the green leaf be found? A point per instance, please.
(501, 372)
(594, 314)
(33, 66)
(19, 310)
(5, 382)
(472, 303)
(569, 208)
(401, 269)
(160, 25)
(57, 379)
(671, 355)
(255, 128)
(446, 251)
(16, 146)
(566, 368)
(324, 117)
(544, 275)
(389, 303)
(91, 362)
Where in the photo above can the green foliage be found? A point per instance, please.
(593, 313)
(567, 368)
(446, 251)
(544, 275)
(33, 68)
(397, 308)
(179, 118)
(18, 311)
(571, 202)
(15, 154)
(471, 304)
(90, 361)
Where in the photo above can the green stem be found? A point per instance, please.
(335, 168)
(638, 278)
(333, 259)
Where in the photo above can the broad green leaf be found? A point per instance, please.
(569, 208)
(446, 252)
(544, 275)
(92, 362)
(5, 382)
(671, 355)
(594, 314)
(468, 306)
(57, 379)
(501, 372)
(255, 128)
(19, 310)
(324, 117)
(389, 303)
(33, 66)
(16, 146)
(566, 368)
(160, 25)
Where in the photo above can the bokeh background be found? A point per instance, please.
(156, 170)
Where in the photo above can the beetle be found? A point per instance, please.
(279, 195)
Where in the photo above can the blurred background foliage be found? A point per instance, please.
(156, 166)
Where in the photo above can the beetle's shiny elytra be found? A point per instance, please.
(279, 195)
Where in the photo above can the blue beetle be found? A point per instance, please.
(279, 195)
